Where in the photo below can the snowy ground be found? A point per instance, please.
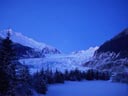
(88, 88)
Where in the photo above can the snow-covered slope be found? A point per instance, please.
(112, 55)
(60, 61)
(117, 44)
(85, 53)
(26, 41)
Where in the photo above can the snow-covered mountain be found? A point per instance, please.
(29, 42)
(118, 44)
(112, 56)
(112, 50)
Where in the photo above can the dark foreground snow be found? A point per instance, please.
(88, 88)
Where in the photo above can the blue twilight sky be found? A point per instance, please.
(69, 25)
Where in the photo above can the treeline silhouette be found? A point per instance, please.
(45, 77)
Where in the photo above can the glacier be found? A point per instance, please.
(60, 62)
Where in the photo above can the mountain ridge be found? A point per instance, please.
(118, 44)
(19, 38)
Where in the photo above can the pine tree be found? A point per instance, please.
(4, 82)
(59, 77)
(96, 75)
(78, 74)
(49, 76)
(90, 74)
(66, 75)
(39, 83)
(72, 76)
(7, 66)
(23, 81)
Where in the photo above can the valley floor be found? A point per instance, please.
(88, 88)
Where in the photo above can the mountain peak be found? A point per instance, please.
(24, 40)
(122, 34)
(18, 37)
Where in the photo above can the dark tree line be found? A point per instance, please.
(45, 77)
